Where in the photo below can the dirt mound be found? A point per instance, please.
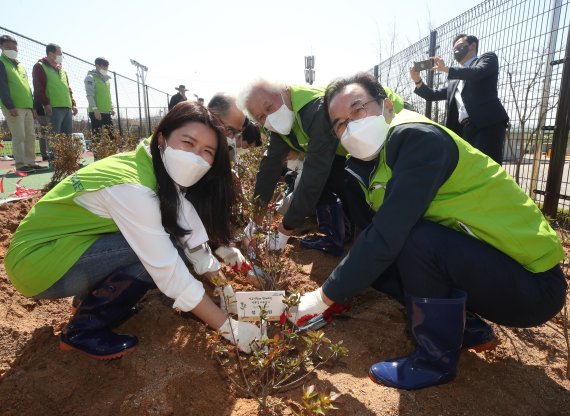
(171, 373)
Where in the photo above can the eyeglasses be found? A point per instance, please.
(233, 133)
(355, 114)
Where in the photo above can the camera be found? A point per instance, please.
(423, 65)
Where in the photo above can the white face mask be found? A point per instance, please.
(364, 138)
(58, 59)
(281, 120)
(11, 54)
(185, 168)
(103, 72)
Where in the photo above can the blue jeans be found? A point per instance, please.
(61, 120)
(107, 254)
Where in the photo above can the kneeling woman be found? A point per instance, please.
(109, 232)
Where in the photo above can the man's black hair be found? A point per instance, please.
(7, 38)
(220, 104)
(364, 79)
(52, 47)
(470, 39)
(101, 62)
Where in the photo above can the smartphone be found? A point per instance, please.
(423, 65)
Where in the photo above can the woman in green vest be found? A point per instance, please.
(124, 224)
(447, 230)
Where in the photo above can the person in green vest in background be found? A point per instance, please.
(450, 234)
(51, 89)
(17, 106)
(98, 91)
(123, 224)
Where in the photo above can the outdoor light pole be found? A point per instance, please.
(309, 69)
(141, 74)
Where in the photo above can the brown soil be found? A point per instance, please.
(172, 372)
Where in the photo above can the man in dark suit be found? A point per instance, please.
(473, 108)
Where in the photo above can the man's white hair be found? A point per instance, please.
(254, 86)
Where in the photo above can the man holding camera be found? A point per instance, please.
(474, 110)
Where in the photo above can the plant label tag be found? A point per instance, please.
(249, 305)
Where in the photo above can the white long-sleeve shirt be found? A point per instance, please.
(136, 212)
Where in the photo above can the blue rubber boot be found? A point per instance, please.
(110, 303)
(478, 335)
(437, 326)
(331, 223)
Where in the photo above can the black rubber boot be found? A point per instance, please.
(331, 223)
(107, 306)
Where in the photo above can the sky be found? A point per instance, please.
(212, 46)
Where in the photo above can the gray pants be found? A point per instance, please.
(61, 120)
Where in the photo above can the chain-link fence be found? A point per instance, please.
(530, 38)
(135, 114)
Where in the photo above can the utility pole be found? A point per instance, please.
(310, 69)
(141, 74)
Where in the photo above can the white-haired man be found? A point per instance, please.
(297, 121)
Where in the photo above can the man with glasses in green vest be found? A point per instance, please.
(17, 105)
(450, 234)
(98, 90)
(51, 88)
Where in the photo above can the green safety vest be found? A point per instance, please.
(57, 86)
(302, 95)
(482, 200)
(57, 231)
(397, 101)
(102, 93)
(18, 84)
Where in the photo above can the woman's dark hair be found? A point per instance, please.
(251, 133)
(364, 79)
(214, 195)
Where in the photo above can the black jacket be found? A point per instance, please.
(479, 93)
(316, 168)
(176, 98)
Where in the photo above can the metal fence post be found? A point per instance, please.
(431, 52)
(559, 140)
(148, 111)
(117, 101)
(140, 110)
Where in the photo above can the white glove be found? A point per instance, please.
(202, 259)
(276, 241)
(233, 257)
(311, 304)
(227, 298)
(283, 205)
(248, 232)
(244, 332)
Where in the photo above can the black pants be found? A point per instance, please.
(435, 260)
(335, 185)
(490, 140)
(97, 125)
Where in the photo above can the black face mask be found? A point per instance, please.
(461, 53)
